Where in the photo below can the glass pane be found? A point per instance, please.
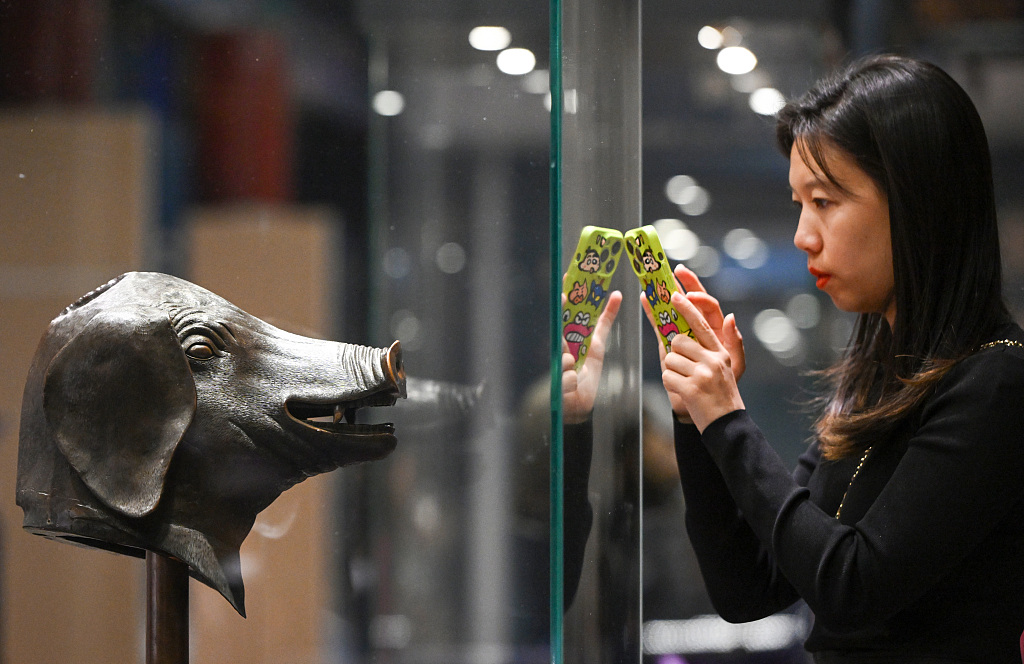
(456, 547)
(600, 186)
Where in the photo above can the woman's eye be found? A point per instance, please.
(821, 203)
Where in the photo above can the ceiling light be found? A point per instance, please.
(388, 102)
(731, 36)
(536, 82)
(676, 185)
(736, 60)
(710, 38)
(705, 263)
(694, 201)
(516, 61)
(766, 101)
(804, 310)
(489, 38)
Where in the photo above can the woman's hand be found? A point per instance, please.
(723, 328)
(699, 375)
(579, 389)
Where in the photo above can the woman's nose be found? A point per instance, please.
(806, 239)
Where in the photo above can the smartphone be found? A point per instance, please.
(657, 281)
(586, 287)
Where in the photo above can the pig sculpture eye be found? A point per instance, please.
(203, 339)
(198, 347)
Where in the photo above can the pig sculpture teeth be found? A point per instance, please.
(157, 416)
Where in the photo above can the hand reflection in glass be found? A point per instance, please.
(579, 388)
(579, 392)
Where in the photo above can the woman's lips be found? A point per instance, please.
(822, 277)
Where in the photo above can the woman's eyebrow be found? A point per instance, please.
(820, 179)
(811, 182)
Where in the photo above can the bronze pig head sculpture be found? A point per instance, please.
(158, 416)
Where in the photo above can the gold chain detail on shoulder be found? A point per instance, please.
(852, 478)
(1002, 342)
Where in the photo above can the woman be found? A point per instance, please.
(902, 526)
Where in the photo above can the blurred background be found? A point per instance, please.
(377, 170)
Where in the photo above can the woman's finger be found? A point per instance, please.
(605, 320)
(733, 342)
(688, 279)
(708, 307)
(701, 329)
(570, 378)
(678, 388)
(679, 363)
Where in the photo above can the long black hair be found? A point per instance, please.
(916, 133)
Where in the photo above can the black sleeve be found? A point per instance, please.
(740, 574)
(578, 513)
(958, 479)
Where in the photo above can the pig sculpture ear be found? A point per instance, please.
(118, 397)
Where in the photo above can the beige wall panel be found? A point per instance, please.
(75, 211)
(277, 263)
(76, 188)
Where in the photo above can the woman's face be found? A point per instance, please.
(845, 233)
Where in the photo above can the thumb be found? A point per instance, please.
(732, 339)
(731, 331)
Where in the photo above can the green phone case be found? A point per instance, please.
(657, 281)
(587, 286)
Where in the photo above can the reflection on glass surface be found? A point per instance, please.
(456, 539)
(600, 186)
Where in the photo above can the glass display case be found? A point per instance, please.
(456, 519)
(596, 608)
(470, 279)
(380, 170)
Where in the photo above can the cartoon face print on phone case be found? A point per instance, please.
(601, 257)
(643, 256)
(667, 326)
(597, 294)
(664, 294)
(647, 265)
(589, 274)
(650, 263)
(657, 281)
(591, 261)
(577, 331)
(578, 293)
(656, 290)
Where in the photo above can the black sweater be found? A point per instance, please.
(927, 563)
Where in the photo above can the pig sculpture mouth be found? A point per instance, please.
(339, 418)
(336, 418)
